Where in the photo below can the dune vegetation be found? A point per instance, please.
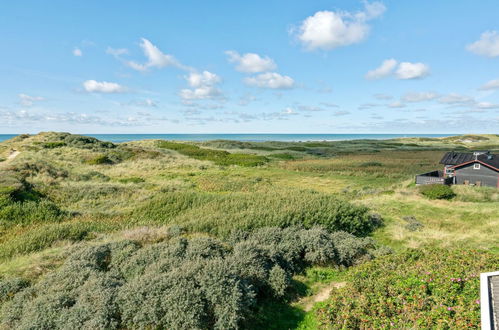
(229, 234)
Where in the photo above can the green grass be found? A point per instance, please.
(53, 198)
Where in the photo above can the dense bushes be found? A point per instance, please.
(221, 213)
(180, 283)
(437, 191)
(219, 157)
(417, 289)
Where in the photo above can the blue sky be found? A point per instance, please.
(249, 67)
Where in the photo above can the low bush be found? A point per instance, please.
(219, 157)
(181, 283)
(53, 145)
(437, 191)
(418, 289)
(283, 156)
(99, 160)
(133, 179)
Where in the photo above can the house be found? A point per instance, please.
(479, 168)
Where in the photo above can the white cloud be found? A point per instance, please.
(202, 79)
(396, 104)
(77, 52)
(271, 80)
(490, 85)
(289, 111)
(385, 69)
(203, 86)
(419, 96)
(381, 96)
(155, 58)
(251, 62)
(328, 29)
(487, 45)
(93, 86)
(455, 99)
(340, 113)
(486, 105)
(116, 52)
(407, 70)
(27, 100)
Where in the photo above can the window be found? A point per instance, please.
(476, 166)
(449, 171)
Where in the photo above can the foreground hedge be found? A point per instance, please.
(180, 283)
(415, 290)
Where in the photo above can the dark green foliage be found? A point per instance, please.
(99, 160)
(219, 157)
(437, 191)
(53, 145)
(180, 283)
(133, 179)
(9, 287)
(85, 142)
(220, 214)
(283, 156)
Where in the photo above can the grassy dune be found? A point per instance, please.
(63, 190)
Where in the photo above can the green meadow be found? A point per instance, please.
(298, 229)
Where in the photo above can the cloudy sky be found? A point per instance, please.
(249, 67)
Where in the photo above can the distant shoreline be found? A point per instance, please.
(117, 138)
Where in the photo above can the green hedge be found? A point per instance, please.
(437, 191)
(219, 157)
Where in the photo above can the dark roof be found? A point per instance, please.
(456, 158)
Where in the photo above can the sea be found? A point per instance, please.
(117, 138)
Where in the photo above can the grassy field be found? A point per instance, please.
(59, 190)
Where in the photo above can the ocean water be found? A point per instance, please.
(117, 138)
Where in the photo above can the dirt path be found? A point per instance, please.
(13, 154)
(322, 295)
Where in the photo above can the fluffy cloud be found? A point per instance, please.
(251, 62)
(77, 52)
(27, 100)
(271, 80)
(407, 70)
(385, 69)
(328, 29)
(155, 58)
(93, 86)
(381, 96)
(203, 86)
(419, 96)
(487, 45)
(490, 85)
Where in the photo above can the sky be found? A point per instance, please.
(272, 66)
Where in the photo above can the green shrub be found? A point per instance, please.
(423, 289)
(437, 191)
(53, 145)
(219, 157)
(181, 283)
(29, 212)
(99, 160)
(283, 156)
(133, 179)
